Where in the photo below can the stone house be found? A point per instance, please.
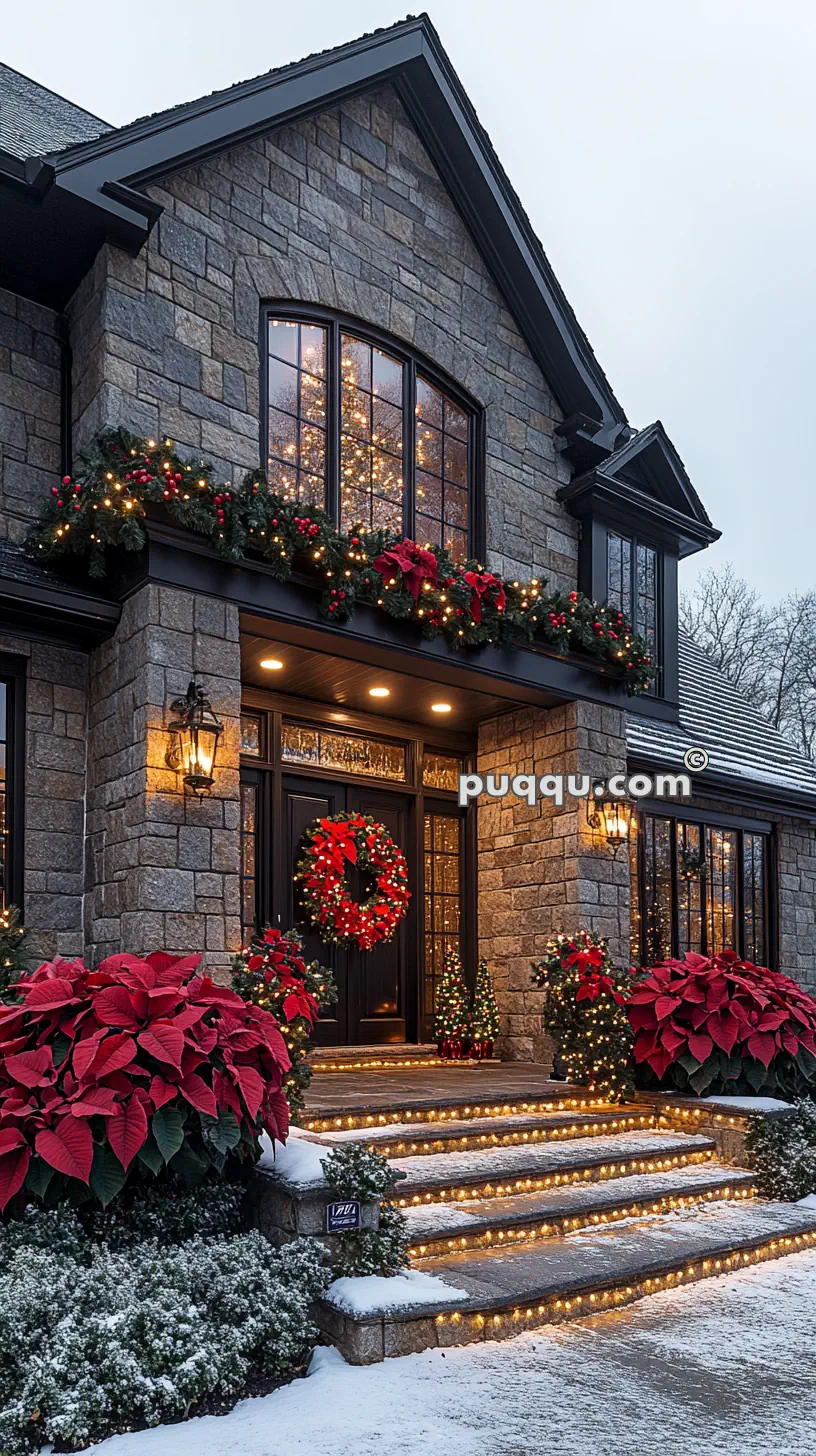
(247, 275)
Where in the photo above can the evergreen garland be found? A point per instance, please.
(485, 1018)
(451, 1015)
(103, 507)
(585, 1013)
(272, 973)
(15, 958)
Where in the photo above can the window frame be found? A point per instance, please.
(635, 542)
(13, 675)
(413, 362)
(727, 823)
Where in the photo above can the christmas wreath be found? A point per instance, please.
(331, 846)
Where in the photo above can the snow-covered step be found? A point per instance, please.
(499, 1293)
(399, 1140)
(440, 1229)
(346, 1100)
(502, 1172)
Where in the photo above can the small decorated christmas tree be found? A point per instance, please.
(485, 1019)
(585, 1013)
(14, 953)
(451, 1017)
(273, 974)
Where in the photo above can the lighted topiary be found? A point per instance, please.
(451, 1015)
(719, 1024)
(585, 1013)
(273, 974)
(485, 1018)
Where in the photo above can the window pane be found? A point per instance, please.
(619, 572)
(721, 889)
(657, 906)
(646, 609)
(441, 772)
(634, 890)
(5, 849)
(689, 888)
(249, 848)
(442, 464)
(296, 451)
(753, 872)
(372, 477)
(343, 752)
(251, 734)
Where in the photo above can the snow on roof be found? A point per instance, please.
(715, 716)
(35, 121)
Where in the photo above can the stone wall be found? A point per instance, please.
(29, 411)
(542, 869)
(344, 210)
(53, 853)
(796, 850)
(162, 864)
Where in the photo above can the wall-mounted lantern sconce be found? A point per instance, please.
(611, 818)
(194, 734)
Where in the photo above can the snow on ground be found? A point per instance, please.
(723, 1368)
(751, 1104)
(809, 1202)
(373, 1293)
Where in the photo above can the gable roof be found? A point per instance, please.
(644, 479)
(34, 120)
(98, 182)
(746, 754)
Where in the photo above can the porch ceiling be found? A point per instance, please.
(344, 683)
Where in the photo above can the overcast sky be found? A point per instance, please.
(666, 153)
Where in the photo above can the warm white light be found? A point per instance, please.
(440, 707)
(272, 664)
(379, 692)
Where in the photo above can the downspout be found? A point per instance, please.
(66, 395)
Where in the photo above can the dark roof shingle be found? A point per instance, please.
(740, 743)
(35, 121)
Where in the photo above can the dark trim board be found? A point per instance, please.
(748, 794)
(14, 669)
(522, 675)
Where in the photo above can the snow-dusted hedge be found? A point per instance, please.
(136, 1337)
(783, 1152)
(354, 1171)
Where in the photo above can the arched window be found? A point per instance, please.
(356, 424)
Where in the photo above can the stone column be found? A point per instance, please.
(162, 865)
(542, 869)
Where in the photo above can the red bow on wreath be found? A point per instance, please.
(481, 583)
(414, 564)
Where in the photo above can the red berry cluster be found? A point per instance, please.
(61, 493)
(306, 526)
(337, 596)
(219, 502)
(557, 619)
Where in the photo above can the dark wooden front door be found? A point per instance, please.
(377, 988)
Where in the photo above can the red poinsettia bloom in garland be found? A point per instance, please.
(484, 588)
(413, 563)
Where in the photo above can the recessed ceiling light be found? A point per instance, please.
(272, 664)
(440, 707)
(379, 692)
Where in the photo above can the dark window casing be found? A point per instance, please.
(12, 776)
(354, 420)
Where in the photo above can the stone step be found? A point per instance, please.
(502, 1172)
(470, 1091)
(399, 1140)
(441, 1229)
(376, 1058)
(503, 1292)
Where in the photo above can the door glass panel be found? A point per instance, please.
(249, 858)
(344, 752)
(442, 886)
(251, 734)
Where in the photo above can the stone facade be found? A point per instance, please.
(56, 733)
(347, 211)
(29, 411)
(543, 869)
(162, 863)
(796, 854)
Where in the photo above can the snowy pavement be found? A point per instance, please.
(724, 1368)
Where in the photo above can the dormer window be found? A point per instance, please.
(633, 586)
(359, 426)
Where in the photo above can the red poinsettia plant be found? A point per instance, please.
(721, 1024)
(120, 1073)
